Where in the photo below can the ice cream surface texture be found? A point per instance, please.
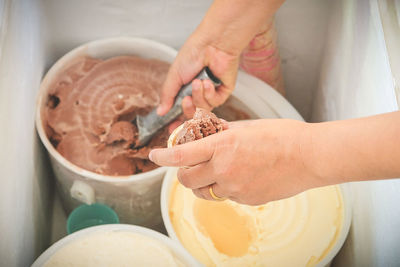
(298, 231)
(114, 248)
(203, 124)
(90, 106)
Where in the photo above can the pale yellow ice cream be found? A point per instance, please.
(298, 231)
(114, 248)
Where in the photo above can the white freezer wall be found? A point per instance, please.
(356, 80)
(25, 187)
(35, 33)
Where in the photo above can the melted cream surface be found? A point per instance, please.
(298, 231)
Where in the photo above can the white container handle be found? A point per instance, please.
(82, 192)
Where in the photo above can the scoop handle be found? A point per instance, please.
(148, 125)
(186, 90)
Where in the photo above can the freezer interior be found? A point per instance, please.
(339, 61)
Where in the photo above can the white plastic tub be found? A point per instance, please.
(171, 246)
(135, 198)
(170, 179)
(265, 103)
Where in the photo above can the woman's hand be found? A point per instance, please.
(255, 162)
(252, 162)
(191, 59)
(225, 31)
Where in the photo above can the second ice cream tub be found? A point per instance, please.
(305, 230)
(116, 245)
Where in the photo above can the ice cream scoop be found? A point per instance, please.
(150, 124)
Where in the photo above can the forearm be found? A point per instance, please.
(356, 150)
(231, 24)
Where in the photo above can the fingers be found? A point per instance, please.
(188, 154)
(198, 94)
(216, 97)
(225, 67)
(188, 107)
(211, 95)
(192, 57)
(218, 192)
(198, 193)
(206, 96)
(182, 71)
(170, 88)
(204, 192)
(197, 176)
(200, 178)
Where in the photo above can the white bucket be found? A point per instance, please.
(171, 246)
(135, 198)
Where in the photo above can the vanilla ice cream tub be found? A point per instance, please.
(305, 230)
(116, 245)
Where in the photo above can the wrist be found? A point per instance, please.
(341, 151)
(230, 26)
(320, 170)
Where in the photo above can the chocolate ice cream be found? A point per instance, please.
(90, 108)
(203, 124)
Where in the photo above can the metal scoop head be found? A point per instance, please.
(151, 123)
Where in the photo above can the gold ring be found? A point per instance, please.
(215, 197)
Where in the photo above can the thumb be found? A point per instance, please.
(188, 154)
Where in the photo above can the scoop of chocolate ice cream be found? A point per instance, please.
(203, 124)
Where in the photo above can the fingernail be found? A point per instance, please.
(160, 110)
(207, 85)
(196, 84)
(186, 103)
(151, 155)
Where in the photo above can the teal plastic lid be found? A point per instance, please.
(86, 216)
